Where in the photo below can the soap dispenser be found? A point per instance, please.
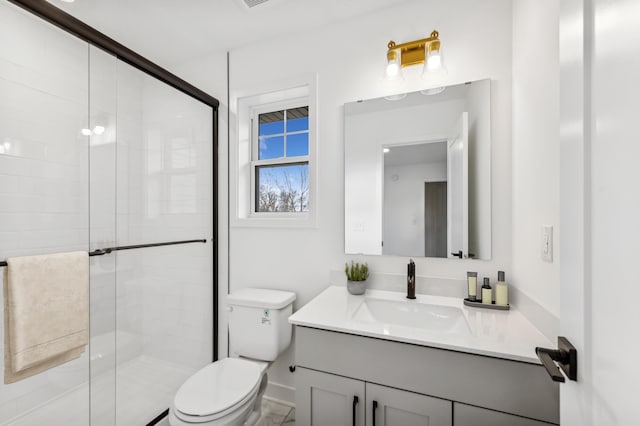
(502, 290)
(486, 292)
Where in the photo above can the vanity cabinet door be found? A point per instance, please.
(466, 415)
(392, 407)
(324, 399)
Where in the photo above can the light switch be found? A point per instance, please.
(546, 249)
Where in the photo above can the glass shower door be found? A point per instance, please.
(101, 137)
(164, 295)
(95, 153)
(44, 187)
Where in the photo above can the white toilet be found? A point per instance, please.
(229, 391)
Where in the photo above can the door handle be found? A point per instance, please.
(355, 404)
(566, 355)
(373, 417)
(458, 254)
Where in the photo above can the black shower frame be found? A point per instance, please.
(74, 26)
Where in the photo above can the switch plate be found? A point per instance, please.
(546, 248)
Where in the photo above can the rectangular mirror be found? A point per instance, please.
(418, 173)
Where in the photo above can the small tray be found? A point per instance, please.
(476, 304)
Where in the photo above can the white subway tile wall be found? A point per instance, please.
(143, 174)
(44, 173)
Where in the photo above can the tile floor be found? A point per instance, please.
(276, 414)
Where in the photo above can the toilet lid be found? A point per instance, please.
(218, 387)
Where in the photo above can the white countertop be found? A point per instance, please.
(500, 334)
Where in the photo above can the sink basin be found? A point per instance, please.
(435, 318)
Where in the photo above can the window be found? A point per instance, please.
(280, 159)
(273, 158)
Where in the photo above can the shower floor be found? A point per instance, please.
(145, 388)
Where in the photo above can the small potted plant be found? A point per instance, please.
(357, 275)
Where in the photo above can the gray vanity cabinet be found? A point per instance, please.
(411, 383)
(392, 407)
(324, 399)
(466, 415)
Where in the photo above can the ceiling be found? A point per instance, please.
(173, 31)
(427, 152)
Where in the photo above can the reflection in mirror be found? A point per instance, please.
(418, 174)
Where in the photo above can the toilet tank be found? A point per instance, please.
(258, 322)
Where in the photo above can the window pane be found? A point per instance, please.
(297, 144)
(297, 119)
(282, 188)
(271, 147)
(271, 123)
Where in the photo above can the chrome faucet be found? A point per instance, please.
(411, 280)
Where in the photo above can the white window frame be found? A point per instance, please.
(298, 91)
(281, 161)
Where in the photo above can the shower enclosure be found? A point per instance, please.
(99, 148)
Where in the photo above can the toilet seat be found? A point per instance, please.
(217, 390)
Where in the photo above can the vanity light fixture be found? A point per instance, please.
(425, 51)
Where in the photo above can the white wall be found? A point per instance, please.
(536, 150)
(404, 202)
(349, 60)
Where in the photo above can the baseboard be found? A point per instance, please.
(281, 394)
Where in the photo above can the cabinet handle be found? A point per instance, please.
(457, 254)
(375, 405)
(355, 403)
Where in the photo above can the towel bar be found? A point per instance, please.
(101, 252)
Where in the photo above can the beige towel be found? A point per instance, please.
(46, 312)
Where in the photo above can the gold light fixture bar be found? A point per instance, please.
(413, 52)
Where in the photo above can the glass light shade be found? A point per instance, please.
(434, 61)
(393, 71)
(433, 65)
